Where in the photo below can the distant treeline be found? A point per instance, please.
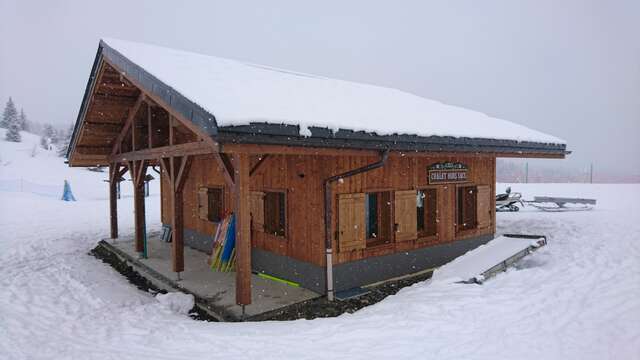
(51, 136)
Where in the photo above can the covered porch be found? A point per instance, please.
(214, 291)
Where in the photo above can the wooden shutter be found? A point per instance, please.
(203, 203)
(257, 210)
(406, 221)
(484, 206)
(351, 227)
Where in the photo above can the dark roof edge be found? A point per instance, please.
(85, 99)
(321, 137)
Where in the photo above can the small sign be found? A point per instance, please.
(447, 172)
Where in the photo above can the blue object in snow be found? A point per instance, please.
(230, 243)
(67, 195)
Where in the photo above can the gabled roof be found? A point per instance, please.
(233, 101)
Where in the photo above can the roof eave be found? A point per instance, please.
(269, 134)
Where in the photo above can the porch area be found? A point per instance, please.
(214, 292)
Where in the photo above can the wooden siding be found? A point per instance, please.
(301, 177)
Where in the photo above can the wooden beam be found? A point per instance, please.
(113, 198)
(100, 129)
(108, 100)
(257, 149)
(132, 114)
(141, 173)
(167, 169)
(138, 170)
(121, 173)
(116, 86)
(193, 148)
(172, 134)
(185, 165)
(93, 150)
(243, 233)
(177, 220)
(257, 166)
(149, 127)
(227, 167)
(158, 100)
(176, 169)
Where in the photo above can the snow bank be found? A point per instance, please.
(238, 93)
(481, 259)
(177, 302)
(576, 298)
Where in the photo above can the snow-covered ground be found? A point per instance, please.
(577, 298)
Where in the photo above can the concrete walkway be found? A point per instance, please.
(212, 289)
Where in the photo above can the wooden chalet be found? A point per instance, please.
(330, 205)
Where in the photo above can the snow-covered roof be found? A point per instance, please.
(237, 93)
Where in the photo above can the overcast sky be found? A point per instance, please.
(568, 68)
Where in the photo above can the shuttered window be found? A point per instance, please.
(210, 204)
(484, 206)
(378, 216)
(351, 222)
(275, 213)
(467, 208)
(427, 212)
(405, 215)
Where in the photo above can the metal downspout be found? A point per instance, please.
(327, 214)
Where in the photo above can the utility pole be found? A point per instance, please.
(526, 172)
(591, 174)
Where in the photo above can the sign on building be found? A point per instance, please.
(447, 172)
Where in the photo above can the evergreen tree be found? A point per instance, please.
(55, 137)
(48, 131)
(13, 130)
(66, 140)
(44, 143)
(24, 123)
(10, 113)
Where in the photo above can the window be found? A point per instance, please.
(467, 208)
(378, 218)
(275, 213)
(427, 212)
(210, 204)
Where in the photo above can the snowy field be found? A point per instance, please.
(577, 298)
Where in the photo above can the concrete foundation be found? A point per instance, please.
(214, 291)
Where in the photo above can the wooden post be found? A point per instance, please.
(177, 223)
(176, 170)
(138, 172)
(139, 217)
(113, 198)
(243, 234)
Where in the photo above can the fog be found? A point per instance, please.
(570, 68)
